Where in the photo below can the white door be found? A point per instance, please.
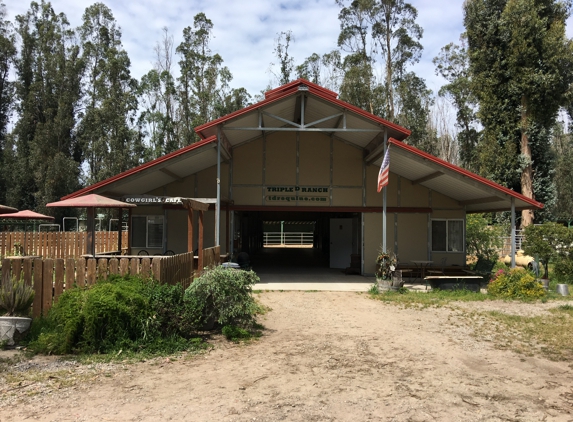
(340, 242)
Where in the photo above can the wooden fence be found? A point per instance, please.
(51, 277)
(56, 245)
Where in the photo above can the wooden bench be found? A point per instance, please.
(455, 282)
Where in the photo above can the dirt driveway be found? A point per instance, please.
(325, 356)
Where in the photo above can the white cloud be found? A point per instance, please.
(244, 31)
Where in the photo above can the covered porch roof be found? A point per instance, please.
(473, 192)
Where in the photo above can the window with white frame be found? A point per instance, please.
(447, 235)
(147, 231)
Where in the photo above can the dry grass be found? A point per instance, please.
(541, 335)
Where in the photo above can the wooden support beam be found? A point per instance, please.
(426, 178)
(200, 241)
(190, 230)
(119, 229)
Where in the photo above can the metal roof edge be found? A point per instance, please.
(135, 170)
(465, 173)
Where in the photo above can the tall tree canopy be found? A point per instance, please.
(521, 66)
(47, 154)
(381, 39)
(203, 78)
(107, 133)
(7, 57)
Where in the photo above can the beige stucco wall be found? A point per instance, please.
(280, 164)
(413, 195)
(442, 201)
(247, 195)
(314, 159)
(291, 160)
(248, 163)
(412, 237)
(346, 197)
(347, 165)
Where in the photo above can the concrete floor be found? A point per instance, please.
(306, 269)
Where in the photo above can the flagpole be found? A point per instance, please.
(384, 199)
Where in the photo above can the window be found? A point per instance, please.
(447, 235)
(147, 231)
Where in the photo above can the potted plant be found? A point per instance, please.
(16, 299)
(388, 276)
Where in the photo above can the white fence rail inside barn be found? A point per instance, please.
(288, 239)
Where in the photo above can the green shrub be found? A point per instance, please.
(563, 270)
(221, 295)
(482, 239)
(121, 313)
(547, 241)
(515, 283)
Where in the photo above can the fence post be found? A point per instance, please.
(47, 284)
(38, 290)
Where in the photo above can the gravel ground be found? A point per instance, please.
(324, 356)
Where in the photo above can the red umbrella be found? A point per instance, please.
(26, 215)
(5, 208)
(91, 202)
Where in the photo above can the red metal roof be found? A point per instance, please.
(27, 215)
(91, 200)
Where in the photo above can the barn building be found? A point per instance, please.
(302, 161)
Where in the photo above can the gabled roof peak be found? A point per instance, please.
(303, 85)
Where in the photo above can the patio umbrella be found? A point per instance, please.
(5, 209)
(26, 215)
(91, 202)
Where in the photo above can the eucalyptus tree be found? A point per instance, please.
(521, 67)
(562, 147)
(453, 65)
(397, 38)
(158, 100)
(202, 77)
(107, 130)
(382, 39)
(355, 39)
(47, 155)
(7, 57)
(326, 70)
(286, 61)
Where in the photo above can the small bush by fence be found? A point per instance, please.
(56, 245)
(50, 277)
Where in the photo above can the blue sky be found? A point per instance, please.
(245, 30)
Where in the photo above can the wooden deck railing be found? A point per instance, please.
(56, 245)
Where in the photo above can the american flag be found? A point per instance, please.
(384, 170)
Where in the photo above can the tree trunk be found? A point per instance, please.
(527, 173)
